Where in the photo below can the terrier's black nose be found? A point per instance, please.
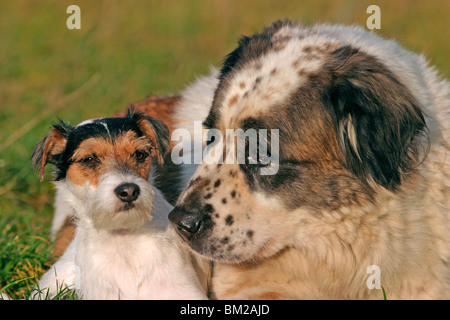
(127, 192)
(188, 224)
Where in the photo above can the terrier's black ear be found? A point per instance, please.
(51, 147)
(161, 136)
(153, 128)
(377, 117)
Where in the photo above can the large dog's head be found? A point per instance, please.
(103, 165)
(347, 127)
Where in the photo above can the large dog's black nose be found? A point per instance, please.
(127, 192)
(188, 224)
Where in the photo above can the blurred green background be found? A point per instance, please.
(124, 51)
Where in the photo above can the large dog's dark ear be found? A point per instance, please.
(377, 117)
(155, 129)
(51, 147)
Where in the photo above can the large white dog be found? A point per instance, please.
(361, 192)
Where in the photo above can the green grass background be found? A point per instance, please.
(124, 51)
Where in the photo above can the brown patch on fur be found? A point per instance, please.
(65, 237)
(307, 49)
(242, 85)
(302, 72)
(296, 63)
(80, 175)
(233, 100)
(265, 296)
(279, 46)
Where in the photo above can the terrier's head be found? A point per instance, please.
(102, 166)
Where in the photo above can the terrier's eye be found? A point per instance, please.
(90, 161)
(140, 156)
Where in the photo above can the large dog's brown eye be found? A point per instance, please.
(90, 161)
(140, 156)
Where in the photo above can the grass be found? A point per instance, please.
(124, 51)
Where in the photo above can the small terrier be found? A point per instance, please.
(124, 247)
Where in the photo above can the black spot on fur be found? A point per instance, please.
(209, 208)
(250, 233)
(217, 183)
(224, 240)
(229, 220)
